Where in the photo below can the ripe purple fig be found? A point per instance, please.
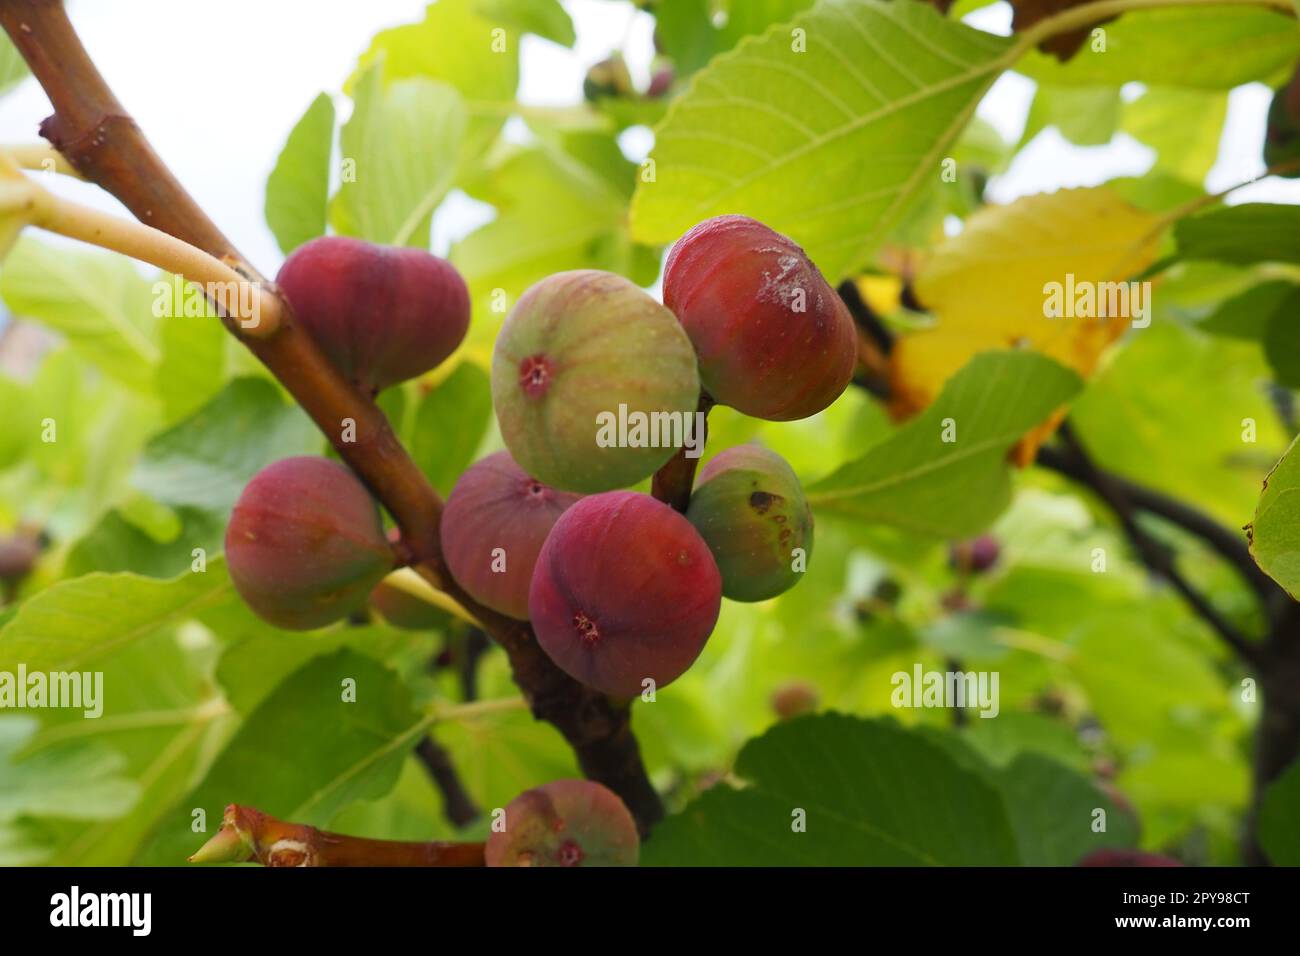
(305, 543)
(974, 556)
(497, 517)
(585, 367)
(624, 590)
(774, 339)
(750, 509)
(565, 823)
(381, 314)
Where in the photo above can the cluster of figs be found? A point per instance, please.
(621, 590)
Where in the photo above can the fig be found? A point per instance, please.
(794, 699)
(974, 556)
(305, 544)
(625, 589)
(565, 823)
(380, 314)
(495, 521)
(594, 382)
(406, 611)
(750, 509)
(774, 340)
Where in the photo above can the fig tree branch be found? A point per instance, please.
(457, 805)
(249, 835)
(103, 143)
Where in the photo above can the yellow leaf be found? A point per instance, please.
(987, 288)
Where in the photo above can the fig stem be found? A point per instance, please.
(672, 484)
(409, 582)
(249, 835)
(236, 297)
(40, 157)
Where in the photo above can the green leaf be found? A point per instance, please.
(75, 623)
(1279, 818)
(1213, 48)
(918, 482)
(1248, 315)
(77, 781)
(405, 141)
(554, 212)
(450, 423)
(194, 364)
(12, 66)
(546, 18)
(297, 191)
(1185, 438)
(1245, 234)
(874, 794)
(1084, 115)
(116, 544)
(1275, 532)
(828, 146)
(205, 461)
(686, 30)
(1183, 126)
(96, 299)
(454, 45)
(281, 763)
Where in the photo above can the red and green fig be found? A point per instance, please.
(493, 527)
(305, 544)
(774, 339)
(565, 823)
(624, 590)
(975, 556)
(381, 314)
(582, 355)
(750, 509)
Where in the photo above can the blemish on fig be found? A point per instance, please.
(586, 627)
(535, 375)
(762, 501)
(569, 853)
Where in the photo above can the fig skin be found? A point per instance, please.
(576, 346)
(750, 509)
(496, 504)
(305, 544)
(737, 286)
(565, 823)
(381, 314)
(625, 589)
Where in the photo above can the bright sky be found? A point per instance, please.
(217, 86)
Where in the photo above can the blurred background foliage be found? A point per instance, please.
(1113, 694)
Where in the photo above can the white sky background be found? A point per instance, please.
(217, 87)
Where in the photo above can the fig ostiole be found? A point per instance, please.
(565, 823)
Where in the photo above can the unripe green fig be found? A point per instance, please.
(774, 340)
(497, 517)
(381, 314)
(750, 509)
(565, 823)
(582, 367)
(624, 591)
(305, 543)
